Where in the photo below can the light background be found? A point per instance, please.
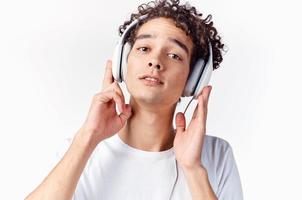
(52, 59)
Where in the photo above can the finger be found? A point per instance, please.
(108, 78)
(180, 122)
(109, 95)
(197, 108)
(124, 116)
(201, 108)
(195, 112)
(116, 88)
(208, 90)
(206, 98)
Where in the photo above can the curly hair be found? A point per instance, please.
(186, 17)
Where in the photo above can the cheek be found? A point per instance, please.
(181, 77)
(177, 83)
(135, 68)
(132, 75)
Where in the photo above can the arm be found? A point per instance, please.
(62, 180)
(102, 122)
(199, 184)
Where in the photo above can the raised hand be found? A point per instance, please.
(102, 120)
(188, 142)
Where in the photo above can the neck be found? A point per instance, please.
(149, 128)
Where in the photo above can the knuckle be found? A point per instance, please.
(115, 85)
(97, 96)
(108, 88)
(111, 93)
(118, 89)
(116, 95)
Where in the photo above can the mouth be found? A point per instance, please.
(151, 80)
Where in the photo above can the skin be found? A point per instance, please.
(146, 122)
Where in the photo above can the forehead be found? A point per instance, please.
(165, 28)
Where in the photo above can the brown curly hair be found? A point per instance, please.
(189, 20)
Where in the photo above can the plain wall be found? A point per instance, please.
(52, 59)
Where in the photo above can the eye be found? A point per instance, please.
(174, 56)
(143, 49)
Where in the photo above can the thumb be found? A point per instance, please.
(180, 122)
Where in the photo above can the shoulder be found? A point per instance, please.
(216, 152)
(216, 144)
(219, 160)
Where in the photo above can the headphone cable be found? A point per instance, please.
(176, 168)
(188, 104)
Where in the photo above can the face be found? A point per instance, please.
(161, 51)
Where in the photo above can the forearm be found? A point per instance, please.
(62, 180)
(199, 184)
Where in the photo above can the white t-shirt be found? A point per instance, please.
(117, 171)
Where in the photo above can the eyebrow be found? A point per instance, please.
(175, 41)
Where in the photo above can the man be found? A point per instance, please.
(138, 154)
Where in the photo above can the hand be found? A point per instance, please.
(188, 143)
(102, 120)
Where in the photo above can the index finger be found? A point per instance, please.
(108, 78)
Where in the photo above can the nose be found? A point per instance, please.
(155, 64)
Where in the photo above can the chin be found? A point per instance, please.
(149, 99)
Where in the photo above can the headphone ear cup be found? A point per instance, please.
(121, 51)
(206, 74)
(116, 62)
(193, 78)
(204, 79)
(200, 76)
(124, 60)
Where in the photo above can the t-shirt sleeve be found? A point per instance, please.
(229, 183)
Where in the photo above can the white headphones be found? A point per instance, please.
(199, 77)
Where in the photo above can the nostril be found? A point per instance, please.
(150, 64)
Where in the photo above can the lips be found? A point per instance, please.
(152, 79)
